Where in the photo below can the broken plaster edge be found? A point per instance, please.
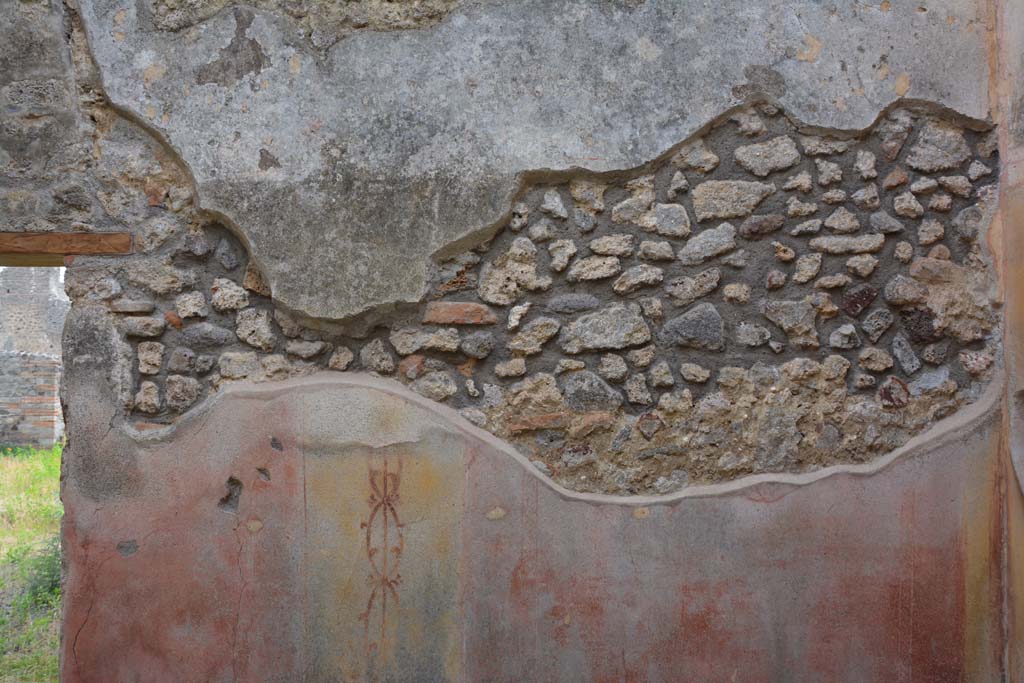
(942, 432)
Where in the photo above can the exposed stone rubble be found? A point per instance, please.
(762, 301)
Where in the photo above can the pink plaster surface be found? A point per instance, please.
(888, 572)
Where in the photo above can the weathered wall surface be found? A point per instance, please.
(423, 137)
(385, 189)
(339, 527)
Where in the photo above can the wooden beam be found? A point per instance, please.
(31, 260)
(56, 245)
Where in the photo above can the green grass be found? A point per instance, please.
(30, 512)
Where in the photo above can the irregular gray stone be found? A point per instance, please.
(656, 251)
(829, 172)
(636, 277)
(667, 220)
(728, 198)
(842, 221)
(238, 365)
(930, 231)
(612, 367)
(755, 227)
(225, 295)
(876, 323)
(352, 172)
(904, 291)
(553, 205)
(182, 359)
(151, 357)
(685, 290)
(844, 337)
(815, 145)
(561, 251)
(677, 185)
(801, 182)
(410, 340)
(376, 358)
(181, 392)
(924, 186)
(701, 327)
(226, 255)
(865, 165)
(750, 334)
(810, 227)
(621, 244)
(593, 268)
(435, 385)
(968, 222)
(585, 391)
(253, 327)
(516, 315)
(573, 303)
(882, 222)
(939, 146)
(708, 244)
(767, 157)
(305, 349)
(207, 336)
(290, 327)
(637, 391)
(935, 354)
(643, 357)
(651, 307)
(841, 244)
(477, 345)
(640, 200)
(502, 280)
(531, 338)
(661, 375)
(514, 367)
(874, 360)
(147, 399)
(867, 198)
(541, 231)
(341, 358)
(906, 205)
(748, 122)
(904, 354)
(191, 305)
(143, 326)
(807, 267)
(692, 372)
(794, 317)
(614, 327)
(588, 193)
(956, 184)
(696, 156)
(929, 381)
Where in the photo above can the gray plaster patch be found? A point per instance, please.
(424, 137)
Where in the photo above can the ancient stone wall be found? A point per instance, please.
(759, 300)
(33, 306)
(30, 412)
(741, 265)
(32, 311)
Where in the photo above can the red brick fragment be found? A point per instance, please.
(458, 313)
